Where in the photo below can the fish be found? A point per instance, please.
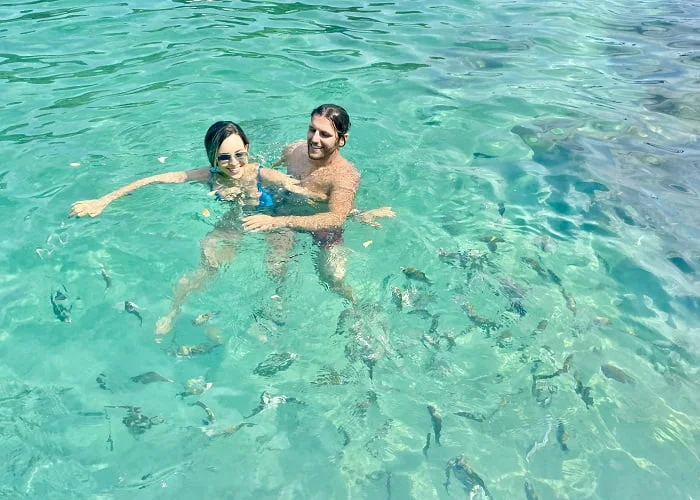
(367, 332)
(616, 373)
(106, 277)
(501, 208)
(427, 445)
(470, 480)
(492, 242)
(207, 410)
(517, 307)
(136, 422)
(268, 401)
(149, 378)
(562, 436)
(428, 341)
(541, 326)
(530, 493)
(397, 297)
(570, 301)
(483, 155)
(479, 321)
(102, 381)
(60, 310)
(205, 317)
(478, 417)
(275, 362)
(329, 376)
(189, 350)
(450, 339)
(436, 419)
(132, 308)
(583, 391)
(195, 386)
(416, 274)
(536, 266)
(553, 277)
(568, 363)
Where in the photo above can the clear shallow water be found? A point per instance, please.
(580, 119)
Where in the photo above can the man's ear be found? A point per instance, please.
(342, 140)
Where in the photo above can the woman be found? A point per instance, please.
(247, 186)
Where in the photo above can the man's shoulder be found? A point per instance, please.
(293, 147)
(348, 167)
(346, 175)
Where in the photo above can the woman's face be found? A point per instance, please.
(232, 156)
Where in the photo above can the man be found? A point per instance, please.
(330, 180)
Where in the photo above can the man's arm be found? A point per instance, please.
(340, 204)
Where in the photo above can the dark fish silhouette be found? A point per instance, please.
(616, 373)
(132, 308)
(102, 381)
(530, 493)
(584, 391)
(61, 305)
(501, 208)
(480, 321)
(189, 350)
(207, 410)
(541, 326)
(275, 362)
(427, 445)
(205, 317)
(562, 436)
(436, 419)
(492, 242)
(478, 417)
(536, 266)
(465, 474)
(268, 401)
(105, 276)
(570, 301)
(149, 378)
(416, 274)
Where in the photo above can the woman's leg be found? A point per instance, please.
(279, 248)
(218, 249)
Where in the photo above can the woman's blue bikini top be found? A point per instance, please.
(266, 200)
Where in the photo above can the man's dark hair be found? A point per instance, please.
(336, 114)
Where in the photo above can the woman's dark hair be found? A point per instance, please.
(336, 114)
(217, 134)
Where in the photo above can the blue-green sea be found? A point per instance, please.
(542, 159)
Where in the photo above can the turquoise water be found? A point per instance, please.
(581, 119)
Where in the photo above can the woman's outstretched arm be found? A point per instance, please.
(93, 208)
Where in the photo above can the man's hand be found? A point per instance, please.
(87, 207)
(368, 216)
(261, 222)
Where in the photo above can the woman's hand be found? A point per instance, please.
(231, 193)
(91, 208)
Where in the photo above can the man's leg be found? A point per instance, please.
(331, 265)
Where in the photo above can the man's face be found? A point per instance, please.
(322, 139)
